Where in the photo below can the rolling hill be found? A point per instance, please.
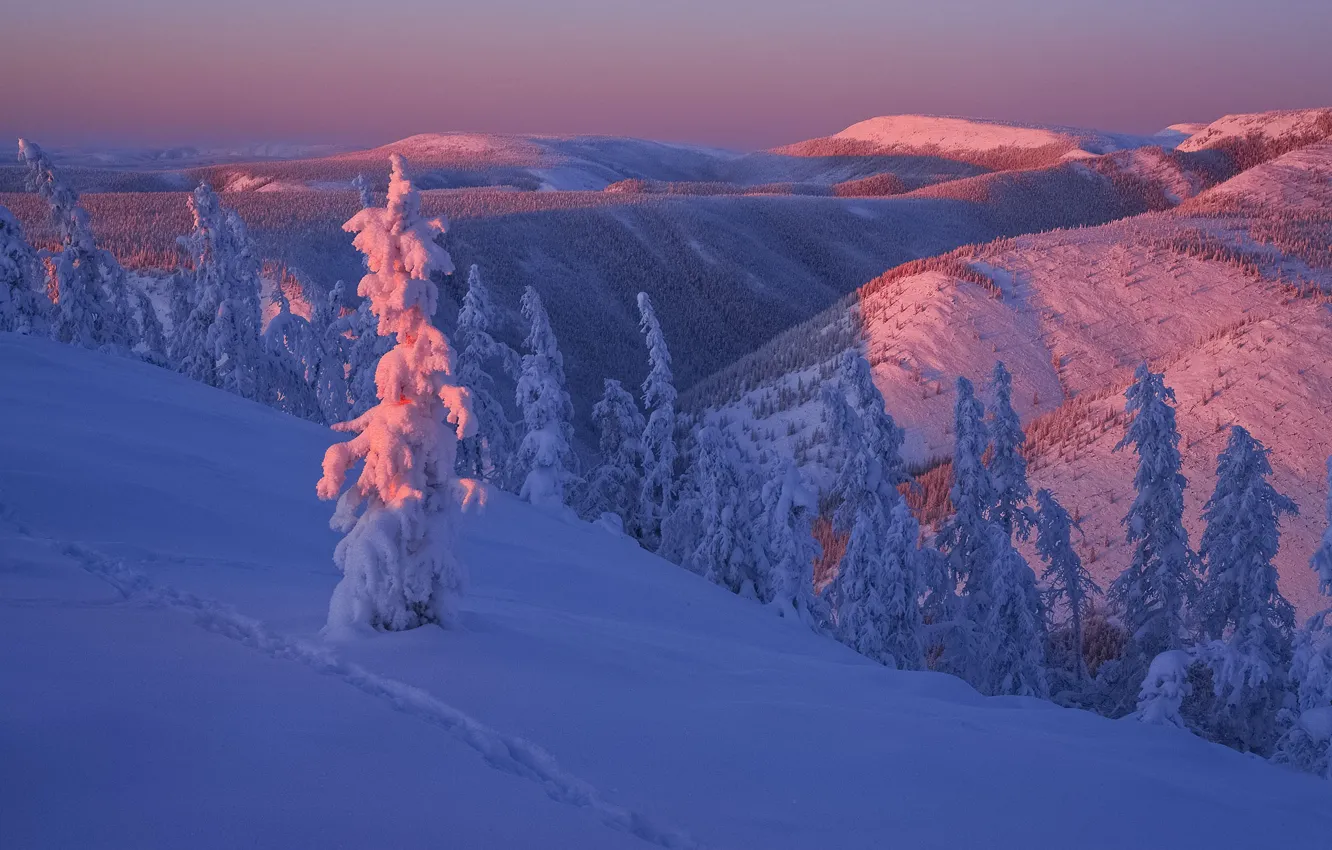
(1227, 293)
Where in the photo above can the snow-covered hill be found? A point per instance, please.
(994, 144)
(729, 272)
(1223, 294)
(1275, 128)
(166, 569)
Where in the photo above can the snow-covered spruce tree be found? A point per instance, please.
(1154, 589)
(658, 444)
(614, 486)
(1008, 468)
(790, 507)
(1012, 636)
(875, 597)
(1321, 563)
(1068, 584)
(1240, 610)
(397, 560)
(362, 187)
(489, 450)
(219, 342)
(92, 299)
(965, 535)
(728, 547)
(330, 366)
(23, 306)
(1305, 721)
(1164, 690)
(546, 451)
(284, 369)
(152, 341)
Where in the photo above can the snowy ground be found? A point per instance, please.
(165, 571)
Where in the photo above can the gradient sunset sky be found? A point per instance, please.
(737, 73)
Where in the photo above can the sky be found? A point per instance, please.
(735, 73)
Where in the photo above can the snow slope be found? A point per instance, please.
(165, 572)
(1221, 293)
(977, 140)
(1270, 127)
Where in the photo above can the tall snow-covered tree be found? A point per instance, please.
(397, 560)
(790, 507)
(1155, 587)
(330, 356)
(728, 548)
(1322, 557)
(1012, 635)
(284, 370)
(965, 536)
(614, 486)
(875, 597)
(1068, 584)
(152, 338)
(219, 342)
(92, 299)
(487, 452)
(658, 444)
(545, 453)
(24, 307)
(1306, 718)
(1008, 468)
(1239, 608)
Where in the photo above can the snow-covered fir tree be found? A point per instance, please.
(546, 452)
(284, 370)
(24, 306)
(1069, 587)
(1305, 720)
(152, 343)
(790, 507)
(1152, 592)
(966, 540)
(1164, 689)
(330, 364)
(397, 560)
(1011, 637)
(91, 296)
(487, 452)
(614, 486)
(1240, 610)
(1321, 563)
(1008, 468)
(219, 342)
(658, 444)
(875, 598)
(728, 545)
(965, 535)
(362, 187)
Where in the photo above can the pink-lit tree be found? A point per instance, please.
(398, 565)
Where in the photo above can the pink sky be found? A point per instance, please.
(741, 73)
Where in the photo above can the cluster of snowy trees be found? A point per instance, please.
(319, 368)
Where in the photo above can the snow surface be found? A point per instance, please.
(1266, 125)
(978, 135)
(166, 569)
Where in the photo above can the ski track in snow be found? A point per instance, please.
(505, 753)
